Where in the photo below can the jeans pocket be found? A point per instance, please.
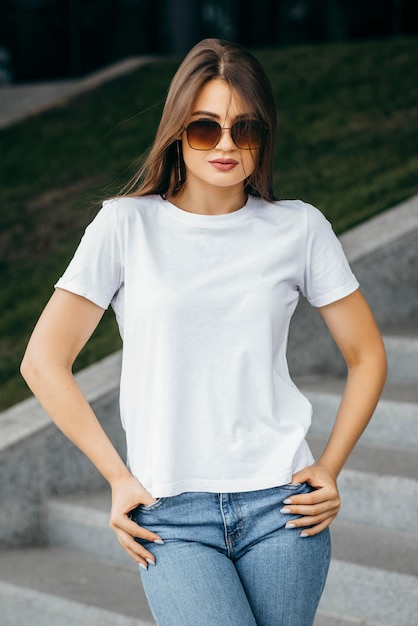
(296, 489)
(135, 514)
(153, 506)
(292, 486)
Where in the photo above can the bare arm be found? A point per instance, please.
(64, 327)
(354, 329)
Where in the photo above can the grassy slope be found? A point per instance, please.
(347, 142)
(350, 145)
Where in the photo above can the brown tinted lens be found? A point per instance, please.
(203, 134)
(248, 134)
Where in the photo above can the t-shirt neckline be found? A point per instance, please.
(200, 219)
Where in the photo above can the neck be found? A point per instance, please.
(218, 202)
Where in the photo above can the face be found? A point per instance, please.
(224, 165)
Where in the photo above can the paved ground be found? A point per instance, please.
(24, 99)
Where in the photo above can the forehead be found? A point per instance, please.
(219, 98)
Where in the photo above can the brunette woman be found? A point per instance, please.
(220, 501)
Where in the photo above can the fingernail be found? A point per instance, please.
(285, 511)
(304, 535)
(287, 501)
(143, 566)
(290, 525)
(159, 541)
(150, 561)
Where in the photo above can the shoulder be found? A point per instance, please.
(127, 209)
(129, 204)
(120, 217)
(296, 213)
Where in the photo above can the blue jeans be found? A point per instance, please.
(228, 560)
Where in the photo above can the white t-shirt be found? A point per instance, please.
(203, 304)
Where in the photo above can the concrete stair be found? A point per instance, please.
(69, 588)
(83, 577)
(374, 572)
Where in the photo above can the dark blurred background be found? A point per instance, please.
(46, 39)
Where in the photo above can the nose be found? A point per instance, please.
(225, 140)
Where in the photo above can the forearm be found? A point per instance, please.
(63, 400)
(362, 391)
(58, 392)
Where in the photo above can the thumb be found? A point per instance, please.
(302, 476)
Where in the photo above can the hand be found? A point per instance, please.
(318, 508)
(127, 494)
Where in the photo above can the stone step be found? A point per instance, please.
(81, 522)
(395, 421)
(371, 458)
(378, 485)
(402, 353)
(324, 618)
(370, 595)
(379, 548)
(41, 585)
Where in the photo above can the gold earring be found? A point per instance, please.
(178, 164)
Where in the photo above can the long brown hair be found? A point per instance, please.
(209, 59)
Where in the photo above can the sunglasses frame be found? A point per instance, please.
(263, 127)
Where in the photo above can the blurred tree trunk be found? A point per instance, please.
(398, 26)
(256, 21)
(184, 24)
(157, 26)
(74, 38)
(335, 20)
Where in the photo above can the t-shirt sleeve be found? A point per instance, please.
(327, 275)
(95, 271)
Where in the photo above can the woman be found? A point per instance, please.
(221, 503)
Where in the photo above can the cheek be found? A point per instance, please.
(192, 158)
(248, 162)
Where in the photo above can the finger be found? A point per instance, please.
(127, 525)
(312, 505)
(311, 509)
(312, 521)
(142, 562)
(146, 499)
(313, 497)
(303, 476)
(135, 550)
(316, 529)
(311, 517)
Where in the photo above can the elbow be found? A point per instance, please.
(39, 367)
(28, 368)
(380, 371)
(23, 369)
(373, 361)
(33, 367)
(385, 368)
(380, 360)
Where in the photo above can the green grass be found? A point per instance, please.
(347, 142)
(349, 122)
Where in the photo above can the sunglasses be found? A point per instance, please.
(246, 134)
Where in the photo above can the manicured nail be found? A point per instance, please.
(290, 525)
(285, 511)
(159, 541)
(150, 561)
(304, 534)
(143, 566)
(287, 501)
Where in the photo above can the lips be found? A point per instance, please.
(224, 164)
